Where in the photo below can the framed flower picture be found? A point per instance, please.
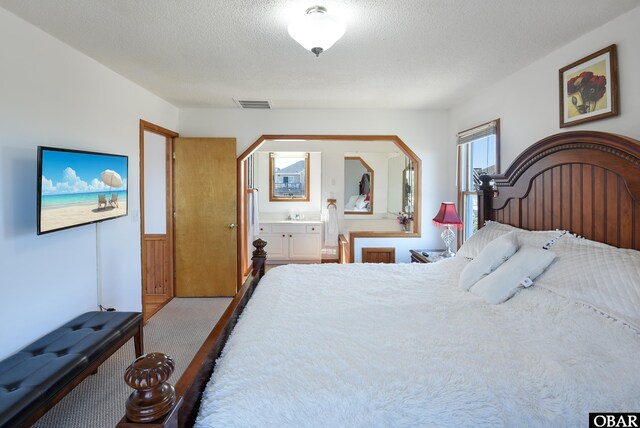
(589, 88)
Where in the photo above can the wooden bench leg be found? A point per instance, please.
(139, 342)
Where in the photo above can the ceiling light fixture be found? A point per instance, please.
(316, 31)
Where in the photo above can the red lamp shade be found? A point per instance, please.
(447, 216)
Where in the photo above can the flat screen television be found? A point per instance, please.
(77, 187)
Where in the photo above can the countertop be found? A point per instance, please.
(291, 222)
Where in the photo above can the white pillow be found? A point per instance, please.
(517, 272)
(360, 202)
(493, 255)
(604, 277)
(492, 229)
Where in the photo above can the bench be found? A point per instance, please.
(34, 379)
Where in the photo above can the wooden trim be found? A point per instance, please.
(193, 380)
(354, 235)
(242, 236)
(169, 136)
(242, 220)
(244, 270)
(156, 129)
(371, 173)
(498, 146)
(307, 179)
(391, 251)
(343, 250)
(154, 301)
(459, 237)
(615, 92)
(165, 300)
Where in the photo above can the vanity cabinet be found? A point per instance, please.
(295, 241)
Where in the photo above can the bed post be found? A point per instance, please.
(153, 402)
(485, 199)
(259, 257)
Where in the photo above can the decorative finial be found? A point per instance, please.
(153, 397)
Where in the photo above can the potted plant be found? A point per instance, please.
(404, 220)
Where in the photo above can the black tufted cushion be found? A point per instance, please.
(33, 375)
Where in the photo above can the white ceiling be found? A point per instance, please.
(394, 54)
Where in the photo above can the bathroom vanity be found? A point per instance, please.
(292, 241)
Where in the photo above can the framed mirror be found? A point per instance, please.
(401, 189)
(358, 186)
(408, 187)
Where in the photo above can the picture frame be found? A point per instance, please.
(589, 88)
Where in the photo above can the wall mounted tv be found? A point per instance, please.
(77, 188)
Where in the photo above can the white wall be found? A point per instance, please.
(53, 95)
(527, 101)
(426, 132)
(155, 184)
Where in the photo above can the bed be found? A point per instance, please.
(357, 203)
(310, 350)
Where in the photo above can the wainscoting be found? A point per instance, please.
(157, 280)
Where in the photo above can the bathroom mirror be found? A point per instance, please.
(401, 187)
(408, 187)
(358, 186)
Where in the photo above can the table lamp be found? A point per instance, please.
(447, 218)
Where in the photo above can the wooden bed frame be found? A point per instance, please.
(583, 181)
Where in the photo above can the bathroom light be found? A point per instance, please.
(317, 30)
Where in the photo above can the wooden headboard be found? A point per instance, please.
(586, 182)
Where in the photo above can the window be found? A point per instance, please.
(289, 174)
(478, 154)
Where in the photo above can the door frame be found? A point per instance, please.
(244, 267)
(169, 137)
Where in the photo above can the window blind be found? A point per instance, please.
(478, 132)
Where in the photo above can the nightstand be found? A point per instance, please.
(426, 256)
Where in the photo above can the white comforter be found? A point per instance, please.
(402, 345)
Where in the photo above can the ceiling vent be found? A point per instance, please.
(253, 104)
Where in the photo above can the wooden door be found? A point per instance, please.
(205, 217)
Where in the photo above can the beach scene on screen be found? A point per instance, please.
(80, 188)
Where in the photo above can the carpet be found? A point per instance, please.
(178, 330)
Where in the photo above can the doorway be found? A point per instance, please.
(246, 181)
(156, 216)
